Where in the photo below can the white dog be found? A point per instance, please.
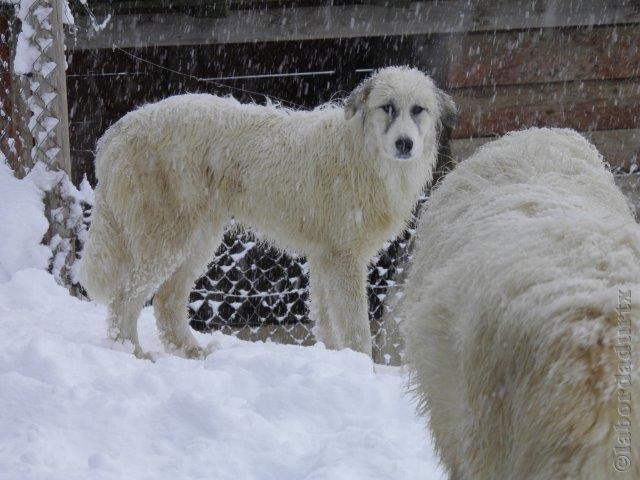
(518, 312)
(333, 183)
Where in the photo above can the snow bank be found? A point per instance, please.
(22, 225)
(73, 406)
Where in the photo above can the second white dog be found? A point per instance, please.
(333, 183)
(522, 314)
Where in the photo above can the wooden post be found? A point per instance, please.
(59, 84)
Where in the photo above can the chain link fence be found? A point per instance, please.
(257, 292)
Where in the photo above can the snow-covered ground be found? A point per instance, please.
(75, 406)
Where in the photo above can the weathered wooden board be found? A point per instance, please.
(345, 21)
(585, 106)
(488, 58)
(15, 138)
(620, 148)
(547, 55)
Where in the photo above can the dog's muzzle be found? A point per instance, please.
(404, 145)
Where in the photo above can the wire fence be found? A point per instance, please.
(256, 292)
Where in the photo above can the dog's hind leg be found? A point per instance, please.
(170, 301)
(124, 308)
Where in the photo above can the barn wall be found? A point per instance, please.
(583, 78)
(578, 69)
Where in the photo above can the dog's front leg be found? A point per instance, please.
(342, 279)
(324, 330)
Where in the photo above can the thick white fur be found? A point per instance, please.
(511, 311)
(325, 183)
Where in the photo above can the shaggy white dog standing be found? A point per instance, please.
(333, 183)
(521, 313)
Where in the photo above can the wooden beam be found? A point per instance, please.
(584, 106)
(620, 148)
(307, 23)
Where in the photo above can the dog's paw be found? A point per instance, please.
(122, 344)
(142, 355)
(192, 352)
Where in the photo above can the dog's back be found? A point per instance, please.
(516, 302)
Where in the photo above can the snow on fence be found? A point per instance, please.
(257, 292)
(34, 116)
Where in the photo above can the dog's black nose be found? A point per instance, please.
(404, 145)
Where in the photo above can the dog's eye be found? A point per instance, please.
(416, 110)
(389, 109)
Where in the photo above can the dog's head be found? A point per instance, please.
(402, 111)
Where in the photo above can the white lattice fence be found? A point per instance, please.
(38, 71)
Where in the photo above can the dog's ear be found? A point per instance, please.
(358, 98)
(448, 118)
(448, 110)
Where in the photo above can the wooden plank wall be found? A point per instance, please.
(254, 21)
(583, 77)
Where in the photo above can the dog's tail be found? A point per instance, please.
(104, 256)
